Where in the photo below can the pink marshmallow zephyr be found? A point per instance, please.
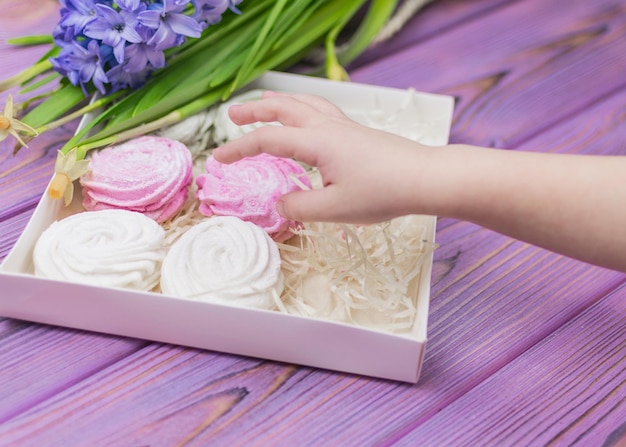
(249, 189)
(149, 175)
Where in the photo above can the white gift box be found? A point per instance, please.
(258, 333)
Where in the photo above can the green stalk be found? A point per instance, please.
(93, 105)
(82, 149)
(255, 54)
(40, 83)
(288, 22)
(164, 107)
(28, 41)
(378, 13)
(202, 68)
(25, 75)
(334, 70)
(109, 138)
(24, 105)
(320, 23)
(63, 100)
(215, 35)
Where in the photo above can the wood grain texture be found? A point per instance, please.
(514, 330)
(68, 355)
(570, 389)
(430, 22)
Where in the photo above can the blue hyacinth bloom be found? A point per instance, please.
(81, 64)
(211, 11)
(114, 29)
(117, 44)
(75, 15)
(121, 78)
(170, 23)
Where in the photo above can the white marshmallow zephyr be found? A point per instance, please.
(108, 248)
(224, 260)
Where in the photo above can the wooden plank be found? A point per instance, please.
(12, 225)
(570, 389)
(514, 79)
(22, 18)
(604, 134)
(431, 21)
(173, 398)
(19, 19)
(47, 359)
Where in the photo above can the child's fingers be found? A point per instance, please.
(319, 103)
(285, 109)
(280, 141)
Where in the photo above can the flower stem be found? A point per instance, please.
(94, 105)
(40, 83)
(24, 105)
(170, 118)
(378, 13)
(25, 75)
(334, 70)
(28, 41)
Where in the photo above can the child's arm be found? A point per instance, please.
(574, 205)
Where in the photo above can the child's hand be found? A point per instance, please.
(368, 175)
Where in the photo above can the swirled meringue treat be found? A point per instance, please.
(108, 248)
(150, 175)
(249, 189)
(224, 260)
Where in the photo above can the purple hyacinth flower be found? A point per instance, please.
(120, 78)
(82, 64)
(62, 35)
(130, 9)
(62, 64)
(170, 23)
(211, 11)
(75, 15)
(140, 56)
(114, 29)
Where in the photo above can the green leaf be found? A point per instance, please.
(26, 75)
(378, 13)
(254, 53)
(26, 41)
(40, 83)
(63, 100)
(300, 41)
(334, 70)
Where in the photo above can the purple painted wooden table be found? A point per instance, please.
(525, 347)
